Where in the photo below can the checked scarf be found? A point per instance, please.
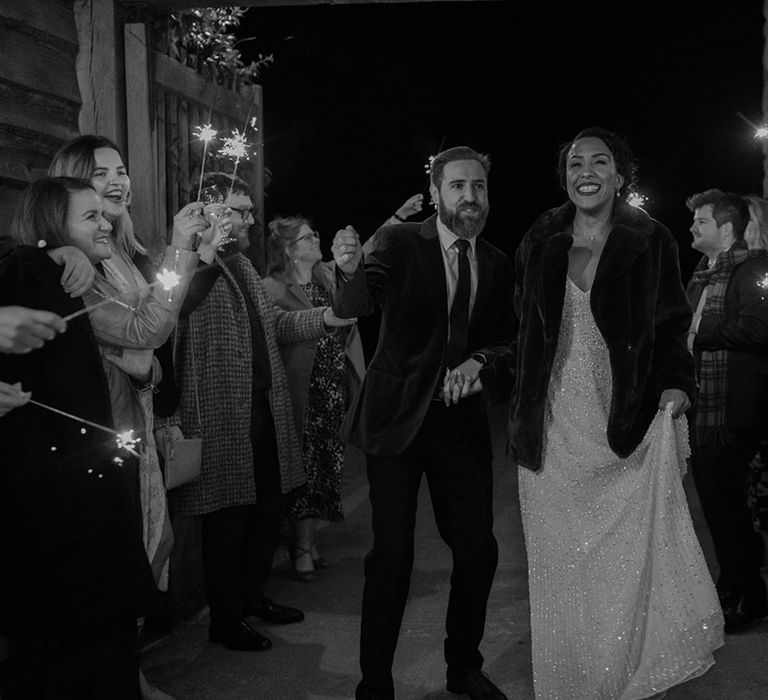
(711, 408)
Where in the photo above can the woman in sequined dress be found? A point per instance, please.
(323, 376)
(622, 603)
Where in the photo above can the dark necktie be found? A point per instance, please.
(459, 317)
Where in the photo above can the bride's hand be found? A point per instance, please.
(678, 399)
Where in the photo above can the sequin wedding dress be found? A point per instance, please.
(622, 603)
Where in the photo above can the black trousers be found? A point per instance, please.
(719, 473)
(461, 489)
(239, 543)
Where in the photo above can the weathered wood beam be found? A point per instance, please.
(100, 69)
(186, 4)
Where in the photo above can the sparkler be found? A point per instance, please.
(206, 134)
(763, 283)
(125, 439)
(106, 300)
(236, 147)
(168, 279)
(761, 131)
(635, 199)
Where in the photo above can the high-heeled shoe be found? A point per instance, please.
(304, 575)
(317, 561)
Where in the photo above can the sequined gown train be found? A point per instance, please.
(622, 603)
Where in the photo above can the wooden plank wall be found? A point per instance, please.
(39, 95)
(183, 100)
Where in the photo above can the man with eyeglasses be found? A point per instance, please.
(229, 385)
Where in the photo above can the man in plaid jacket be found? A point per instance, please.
(729, 340)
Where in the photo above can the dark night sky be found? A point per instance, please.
(358, 97)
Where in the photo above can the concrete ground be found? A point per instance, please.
(317, 659)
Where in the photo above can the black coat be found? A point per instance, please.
(72, 559)
(639, 305)
(405, 275)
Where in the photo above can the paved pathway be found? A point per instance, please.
(317, 659)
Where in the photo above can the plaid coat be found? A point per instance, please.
(220, 344)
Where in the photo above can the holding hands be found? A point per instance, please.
(23, 329)
(347, 250)
(331, 320)
(462, 381)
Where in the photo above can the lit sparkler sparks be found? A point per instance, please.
(126, 441)
(763, 282)
(235, 146)
(635, 199)
(761, 131)
(168, 279)
(206, 134)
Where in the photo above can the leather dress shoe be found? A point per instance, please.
(474, 683)
(277, 614)
(740, 615)
(239, 636)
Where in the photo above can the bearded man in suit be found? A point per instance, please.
(446, 302)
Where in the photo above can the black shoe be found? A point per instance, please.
(474, 683)
(239, 636)
(275, 613)
(740, 615)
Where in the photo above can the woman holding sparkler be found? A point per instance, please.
(140, 317)
(323, 376)
(622, 603)
(74, 573)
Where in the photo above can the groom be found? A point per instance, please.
(446, 300)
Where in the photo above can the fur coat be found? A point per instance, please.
(639, 305)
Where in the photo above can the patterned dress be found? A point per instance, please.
(323, 449)
(622, 602)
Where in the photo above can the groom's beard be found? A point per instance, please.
(463, 226)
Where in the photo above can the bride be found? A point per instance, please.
(622, 604)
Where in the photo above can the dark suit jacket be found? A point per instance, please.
(743, 332)
(404, 274)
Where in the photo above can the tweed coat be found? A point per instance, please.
(299, 358)
(405, 274)
(640, 308)
(216, 337)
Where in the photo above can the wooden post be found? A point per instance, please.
(765, 96)
(100, 70)
(141, 155)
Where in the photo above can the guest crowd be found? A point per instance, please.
(618, 373)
